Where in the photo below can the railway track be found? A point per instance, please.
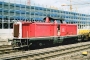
(74, 56)
(5, 46)
(48, 53)
(7, 50)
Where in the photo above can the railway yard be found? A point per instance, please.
(63, 52)
(30, 32)
(59, 42)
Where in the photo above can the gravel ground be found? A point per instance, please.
(79, 56)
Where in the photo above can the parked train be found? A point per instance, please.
(28, 34)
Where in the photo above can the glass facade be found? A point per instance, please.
(10, 12)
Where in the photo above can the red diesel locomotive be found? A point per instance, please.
(28, 34)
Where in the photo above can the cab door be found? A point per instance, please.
(16, 30)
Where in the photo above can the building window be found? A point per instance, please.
(0, 25)
(11, 25)
(5, 25)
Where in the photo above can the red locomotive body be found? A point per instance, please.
(28, 30)
(68, 29)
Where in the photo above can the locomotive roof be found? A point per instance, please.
(54, 18)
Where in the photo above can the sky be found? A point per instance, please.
(81, 6)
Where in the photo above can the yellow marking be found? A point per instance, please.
(85, 53)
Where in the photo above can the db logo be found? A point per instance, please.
(63, 30)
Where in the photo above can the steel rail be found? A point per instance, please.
(48, 53)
